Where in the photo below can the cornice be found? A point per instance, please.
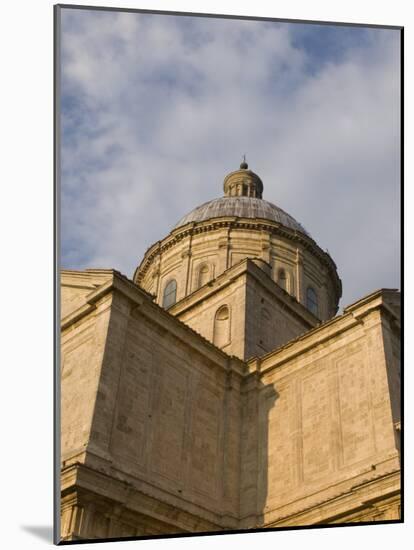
(353, 316)
(142, 299)
(246, 266)
(255, 224)
(390, 487)
(85, 476)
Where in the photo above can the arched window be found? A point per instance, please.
(203, 275)
(312, 300)
(170, 294)
(221, 336)
(281, 278)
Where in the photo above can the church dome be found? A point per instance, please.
(243, 190)
(241, 207)
(225, 231)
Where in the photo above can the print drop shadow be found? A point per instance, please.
(43, 532)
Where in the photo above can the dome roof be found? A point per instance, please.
(241, 207)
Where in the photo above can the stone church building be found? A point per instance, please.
(218, 390)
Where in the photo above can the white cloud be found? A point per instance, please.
(166, 106)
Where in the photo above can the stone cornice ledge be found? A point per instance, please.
(330, 508)
(366, 479)
(76, 316)
(353, 316)
(144, 301)
(126, 488)
(233, 222)
(231, 275)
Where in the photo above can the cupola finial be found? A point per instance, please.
(244, 164)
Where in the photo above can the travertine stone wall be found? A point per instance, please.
(261, 315)
(168, 420)
(331, 427)
(82, 352)
(273, 317)
(92, 507)
(82, 348)
(166, 410)
(376, 500)
(72, 298)
(77, 286)
(223, 243)
(162, 432)
(392, 350)
(201, 315)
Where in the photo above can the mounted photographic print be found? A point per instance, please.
(229, 233)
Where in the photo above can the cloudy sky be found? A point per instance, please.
(156, 110)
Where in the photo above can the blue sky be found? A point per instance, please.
(156, 110)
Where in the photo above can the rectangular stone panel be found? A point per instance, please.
(231, 427)
(355, 409)
(316, 425)
(129, 435)
(170, 393)
(78, 376)
(278, 450)
(205, 425)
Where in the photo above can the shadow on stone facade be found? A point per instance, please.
(269, 398)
